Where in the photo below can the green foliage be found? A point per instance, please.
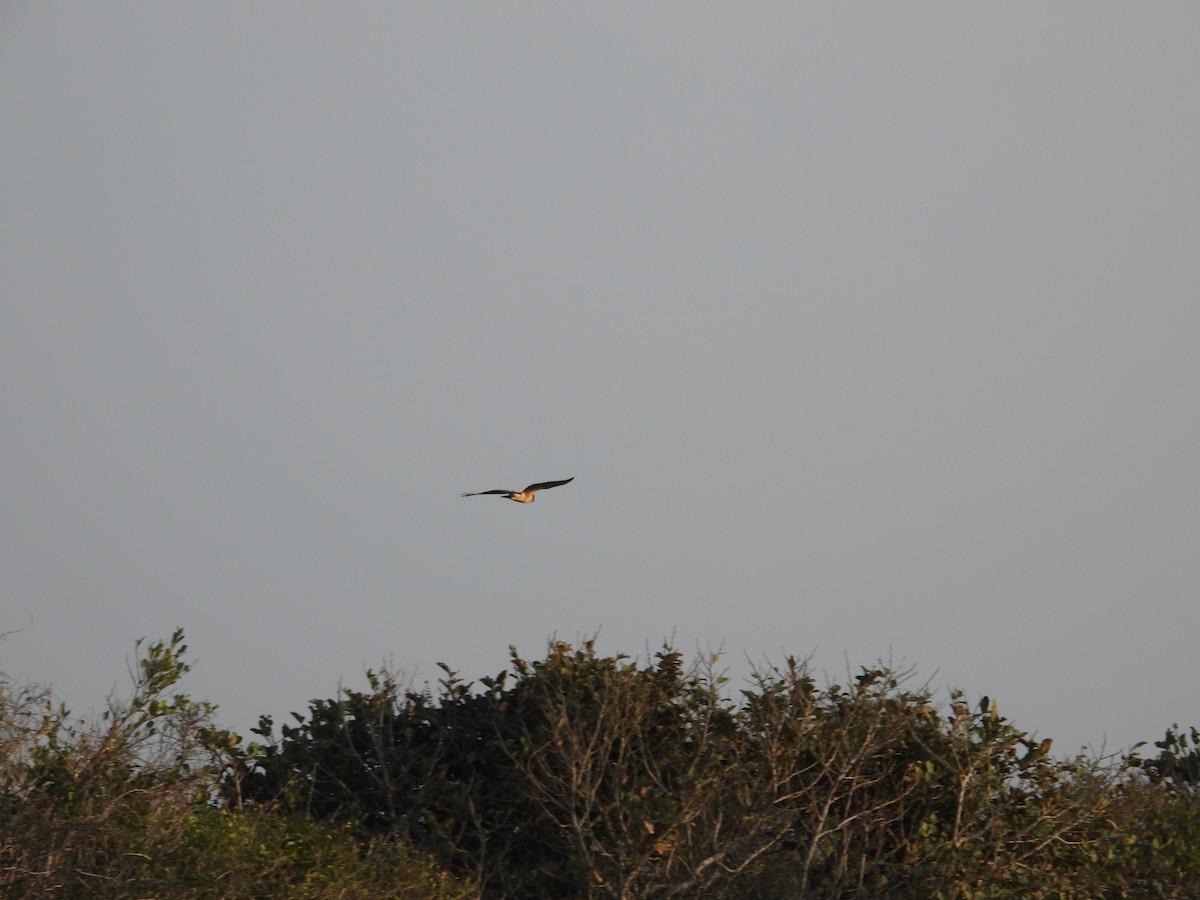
(122, 807)
(1178, 761)
(580, 775)
(71, 789)
(210, 852)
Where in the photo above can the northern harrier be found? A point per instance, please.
(525, 496)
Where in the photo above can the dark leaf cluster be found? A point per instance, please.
(582, 775)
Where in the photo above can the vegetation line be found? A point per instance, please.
(579, 775)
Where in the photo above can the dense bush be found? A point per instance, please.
(583, 776)
(123, 806)
(588, 776)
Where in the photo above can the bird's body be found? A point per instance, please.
(525, 496)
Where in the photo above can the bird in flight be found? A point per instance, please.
(525, 496)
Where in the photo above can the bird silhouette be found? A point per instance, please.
(525, 496)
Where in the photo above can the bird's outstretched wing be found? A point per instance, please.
(547, 484)
(483, 493)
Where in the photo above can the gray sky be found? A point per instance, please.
(868, 331)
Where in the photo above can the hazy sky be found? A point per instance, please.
(868, 331)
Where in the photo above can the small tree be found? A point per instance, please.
(125, 806)
(69, 789)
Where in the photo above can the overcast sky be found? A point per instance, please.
(868, 331)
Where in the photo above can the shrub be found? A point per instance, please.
(123, 806)
(580, 775)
